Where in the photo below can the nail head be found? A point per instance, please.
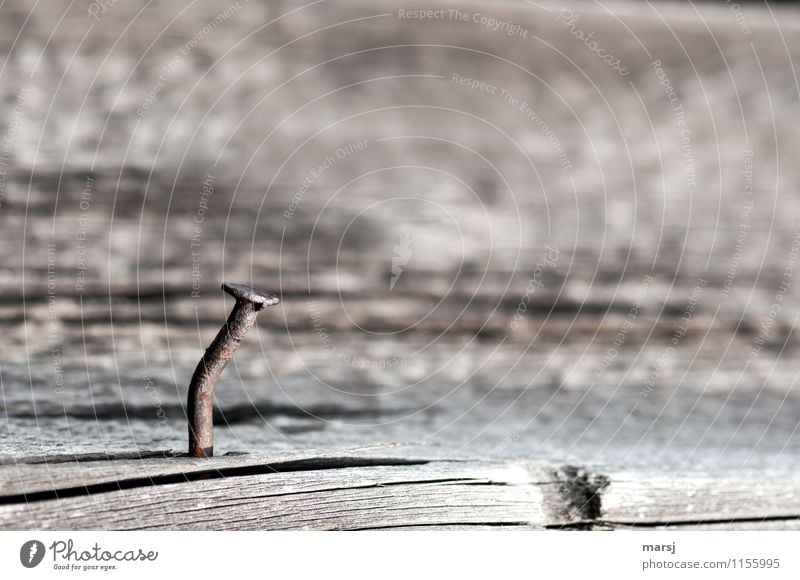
(248, 294)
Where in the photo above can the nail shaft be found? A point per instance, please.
(204, 380)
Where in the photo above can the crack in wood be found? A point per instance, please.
(313, 464)
(446, 525)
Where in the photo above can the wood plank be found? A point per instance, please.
(680, 501)
(374, 492)
(441, 493)
(34, 476)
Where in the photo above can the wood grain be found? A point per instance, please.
(366, 497)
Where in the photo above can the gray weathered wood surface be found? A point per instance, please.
(355, 405)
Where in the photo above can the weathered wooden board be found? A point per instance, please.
(684, 501)
(651, 354)
(368, 491)
(35, 477)
(307, 495)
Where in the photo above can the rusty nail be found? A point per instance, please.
(249, 302)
